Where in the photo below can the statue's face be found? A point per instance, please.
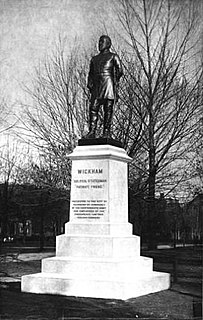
(103, 44)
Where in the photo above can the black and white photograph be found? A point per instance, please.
(101, 159)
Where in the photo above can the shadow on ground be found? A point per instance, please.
(182, 301)
(60, 307)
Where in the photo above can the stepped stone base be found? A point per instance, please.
(105, 266)
(98, 256)
(120, 288)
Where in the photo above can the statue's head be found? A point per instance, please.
(104, 43)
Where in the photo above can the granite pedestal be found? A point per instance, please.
(98, 256)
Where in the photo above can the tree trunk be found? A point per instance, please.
(41, 238)
(5, 211)
(151, 211)
(151, 186)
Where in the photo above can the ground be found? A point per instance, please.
(181, 301)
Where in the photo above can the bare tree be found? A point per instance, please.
(160, 99)
(51, 184)
(12, 161)
(5, 122)
(57, 116)
(195, 158)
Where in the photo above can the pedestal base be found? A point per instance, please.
(134, 285)
(98, 256)
(98, 266)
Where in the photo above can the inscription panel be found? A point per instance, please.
(84, 209)
(89, 191)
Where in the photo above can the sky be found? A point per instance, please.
(29, 29)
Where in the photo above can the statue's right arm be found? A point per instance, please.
(90, 77)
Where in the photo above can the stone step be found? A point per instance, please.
(132, 286)
(97, 246)
(96, 268)
(98, 228)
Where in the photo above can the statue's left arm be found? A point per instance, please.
(118, 68)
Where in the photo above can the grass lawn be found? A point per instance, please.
(181, 301)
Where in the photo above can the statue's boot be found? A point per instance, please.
(108, 114)
(93, 125)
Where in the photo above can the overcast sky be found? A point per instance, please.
(29, 28)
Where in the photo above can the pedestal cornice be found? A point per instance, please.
(99, 152)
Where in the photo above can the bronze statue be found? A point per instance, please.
(104, 75)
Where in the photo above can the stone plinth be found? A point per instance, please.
(98, 256)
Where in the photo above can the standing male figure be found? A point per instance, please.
(104, 75)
